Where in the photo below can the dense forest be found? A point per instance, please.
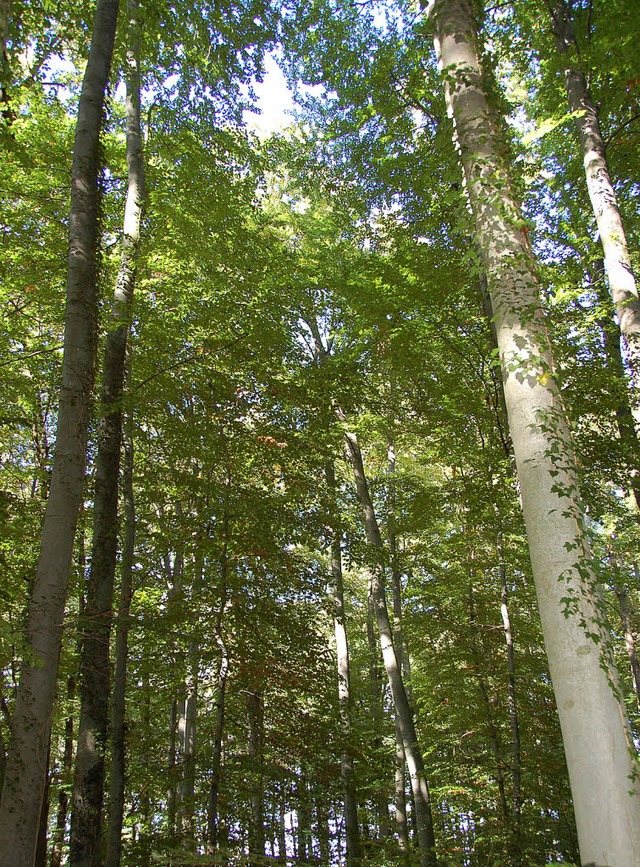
(319, 493)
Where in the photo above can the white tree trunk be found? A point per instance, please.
(600, 757)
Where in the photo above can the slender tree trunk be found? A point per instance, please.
(404, 713)
(118, 704)
(67, 770)
(282, 827)
(172, 771)
(402, 828)
(213, 818)
(187, 724)
(516, 761)
(26, 765)
(352, 831)
(600, 756)
(305, 839)
(615, 364)
(255, 725)
(379, 795)
(629, 638)
(494, 737)
(86, 816)
(622, 283)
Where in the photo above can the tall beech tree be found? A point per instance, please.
(26, 772)
(600, 759)
(96, 617)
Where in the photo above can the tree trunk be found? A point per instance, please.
(67, 770)
(516, 763)
(600, 756)
(213, 818)
(402, 828)
(172, 771)
(622, 283)
(86, 815)
(352, 831)
(26, 765)
(118, 706)
(255, 725)
(404, 713)
(615, 365)
(629, 638)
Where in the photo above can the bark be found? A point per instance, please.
(86, 827)
(118, 702)
(255, 726)
(629, 638)
(5, 18)
(352, 831)
(26, 765)
(600, 757)
(402, 829)
(622, 282)
(40, 859)
(172, 771)
(615, 365)
(379, 795)
(494, 737)
(304, 836)
(404, 713)
(213, 818)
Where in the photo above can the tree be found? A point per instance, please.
(596, 737)
(617, 260)
(27, 758)
(96, 617)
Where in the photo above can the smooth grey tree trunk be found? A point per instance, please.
(118, 699)
(352, 831)
(26, 763)
(86, 814)
(213, 817)
(402, 827)
(600, 757)
(617, 261)
(404, 713)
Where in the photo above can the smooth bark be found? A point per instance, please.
(86, 816)
(213, 817)
(620, 276)
(255, 732)
(26, 765)
(118, 700)
(352, 831)
(600, 756)
(402, 828)
(404, 713)
(615, 366)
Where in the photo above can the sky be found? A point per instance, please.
(274, 101)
